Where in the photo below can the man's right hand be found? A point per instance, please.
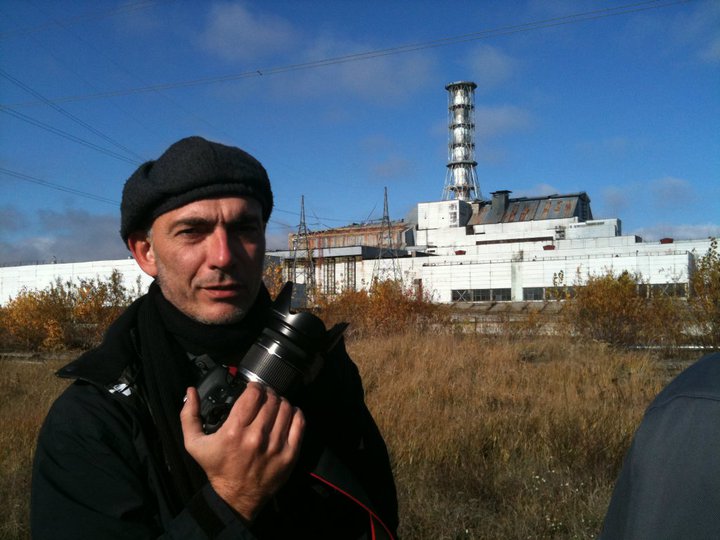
(253, 453)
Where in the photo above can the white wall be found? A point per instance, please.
(37, 277)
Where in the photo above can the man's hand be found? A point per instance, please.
(253, 453)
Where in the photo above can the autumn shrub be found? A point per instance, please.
(96, 304)
(273, 277)
(616, 309)
(36, 320)
(387, 307)
(705, 296)
(65, 315)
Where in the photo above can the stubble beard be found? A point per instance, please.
(234, 316)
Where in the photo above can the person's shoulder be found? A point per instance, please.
(84, 408)
(701, 380)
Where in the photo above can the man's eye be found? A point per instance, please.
(246, 230)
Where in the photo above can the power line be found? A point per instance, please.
(65, 134)
(58, 187)
(87, 195)
(135, 6)
(413, 47)
(67, 114)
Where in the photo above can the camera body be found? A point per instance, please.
(286, 356)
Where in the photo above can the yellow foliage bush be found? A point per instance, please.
(386, 308)
(65, 315)
(705, 296)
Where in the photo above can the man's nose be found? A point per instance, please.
(220, 249)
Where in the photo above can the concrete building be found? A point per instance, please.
(505, 249)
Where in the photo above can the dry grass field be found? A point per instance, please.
(518, 435)
(489, 438)
(27, 389)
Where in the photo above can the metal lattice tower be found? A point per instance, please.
(302, 265)
(387, 266)
(461, 179)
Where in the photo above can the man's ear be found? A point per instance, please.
(142, 251)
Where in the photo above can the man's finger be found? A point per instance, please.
(246, 407)
(297, 429)
(190, 416)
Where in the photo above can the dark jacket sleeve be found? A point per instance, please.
(335, 406)
(669, 486)
(90, 481)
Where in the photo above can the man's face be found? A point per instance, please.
(207, 257)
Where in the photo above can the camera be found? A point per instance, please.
(286, 356)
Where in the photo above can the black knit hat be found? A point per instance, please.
(191, 169)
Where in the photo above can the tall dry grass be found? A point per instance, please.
(498, 439)
(488, 438)
(27, 389)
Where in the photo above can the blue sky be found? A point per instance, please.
(341, 99)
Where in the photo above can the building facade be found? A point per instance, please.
(502, 249)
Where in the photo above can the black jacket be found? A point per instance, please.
(98, 472)
(669, 486)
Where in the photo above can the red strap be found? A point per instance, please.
(373, 515)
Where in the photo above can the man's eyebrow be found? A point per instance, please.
(246, 219)
(190, 222)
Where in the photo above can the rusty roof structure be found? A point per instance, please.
(502, 209)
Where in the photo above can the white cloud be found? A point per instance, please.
(617, 146)
(678, 232)
(493, 122)
(393, 167)
(670, 192)
(66, 236)
(698, 29)
(614, 200)
(277, 239)
(711, 52)
(382, 79)
(239, 34)
(235, 33)
(490, 66)
(539, 190)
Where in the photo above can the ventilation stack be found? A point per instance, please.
(461, 180)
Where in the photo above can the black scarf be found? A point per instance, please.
(166, 338)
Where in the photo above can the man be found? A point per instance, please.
(669, 486)
(122, 453)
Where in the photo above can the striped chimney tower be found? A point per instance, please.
(461, 179)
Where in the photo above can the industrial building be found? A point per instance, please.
(466, 248)
(463, 248)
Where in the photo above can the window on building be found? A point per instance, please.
(461, 295)
(328, 285)
(350, 275)
(501, 295)
(481, 295)
(533, 293)
(669, 289)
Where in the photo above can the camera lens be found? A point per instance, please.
(285, 355)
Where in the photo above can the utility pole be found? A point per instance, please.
(302, 265)
(386, 266)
